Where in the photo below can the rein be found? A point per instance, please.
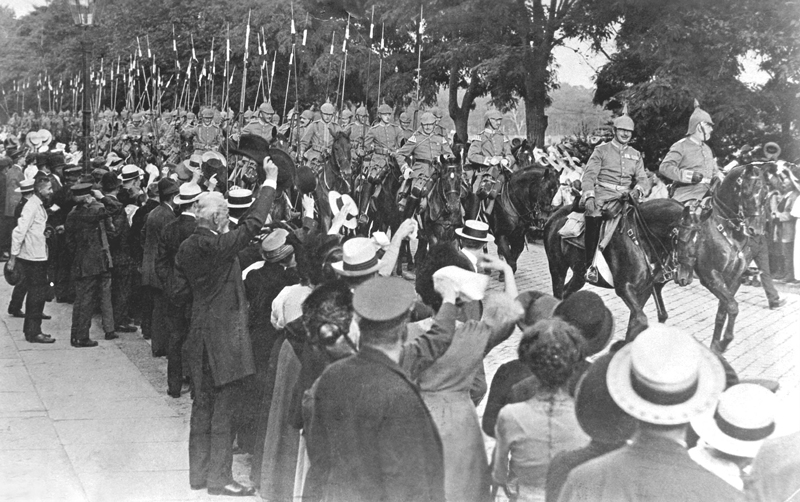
(649, 237)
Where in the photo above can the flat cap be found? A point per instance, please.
(383, 298)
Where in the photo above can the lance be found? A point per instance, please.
(260, 83)
(291, 61)
(272, 75)
(213, 72)
(344, 63)
(330, 60)
(244, 72)
(380, 65)
(225, 84)
(369, 53)
(419, 63)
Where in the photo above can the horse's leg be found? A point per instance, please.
(733, 312)
(635, 299)
(715, 282)
(661, 308)
(504, 250)
(517, 242)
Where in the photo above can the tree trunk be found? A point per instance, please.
(460, 114)
(536, 95)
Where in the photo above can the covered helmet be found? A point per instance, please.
(327, 108)
(623, 122)
(384, 108)
(307, 114)
(361, 111)
(427, 119)
(698, 115)
(346, 114)
(404, 117)
(266, 108)
(248, 114)
(492, 114)
(208, 113)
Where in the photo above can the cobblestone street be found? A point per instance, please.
(97, 425)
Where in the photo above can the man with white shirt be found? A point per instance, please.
(29, 250)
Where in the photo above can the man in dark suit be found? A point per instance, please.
(87, 228)
(371, 436)
(141, 301)
(151, 236)
(218, 346)
(178, 315)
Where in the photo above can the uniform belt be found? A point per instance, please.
(381, 151)
(423, 161)
(616, 188)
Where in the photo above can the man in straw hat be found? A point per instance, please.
(663, 379)
(178, 316)
(732, 433)
(371, 433)
(29, 252)
(690, 163)
(609, 174)
(219, 351)
(472, 238)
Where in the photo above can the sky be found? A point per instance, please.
(577, 64)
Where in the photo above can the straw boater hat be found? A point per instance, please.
(598, 414)
(475, 230)
(665, 377)
(743, 419)
(337, 201)
(130, 173)
(240, 198)
(113, 160)
(359, 258)
(25, 186)
(274, 247)
(187, 193)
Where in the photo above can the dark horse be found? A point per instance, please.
(256, 148)
(380, 208)
(335, 175)
(641, 243)
(524, 203)
(713, 241)
(442, 214)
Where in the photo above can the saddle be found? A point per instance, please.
(573, 230)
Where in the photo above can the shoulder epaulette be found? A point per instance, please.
(413, 138)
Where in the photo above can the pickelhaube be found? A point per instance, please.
(266, 108)
(346, 114)
(427, 119)
(327, 108)
(384, 108)
(361, 111)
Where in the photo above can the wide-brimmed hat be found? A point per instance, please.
(665, 377)
(743, 419)
(194, 163)
(274, 247)
(113, 159)
(475, 230)
(25, 186)
(337, 202)
(359, 258)
(597, 413)
(586, 311)
(383, 298)
(214, 155)
(240, 198)
(187, 193)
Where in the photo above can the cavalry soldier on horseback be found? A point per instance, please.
(346, 119)
(315, 144)
(492, 152)
(382, 140)
(425, 146)
(690, 164)
(264, 126)
(358, 133)
(137, 127)
(608, 175)
(405, 126)
(207, 136)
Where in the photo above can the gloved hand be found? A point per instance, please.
(697, 178)
(504, 162)
(493, 161)
(636, 194)
(406, 171)
(591, 206)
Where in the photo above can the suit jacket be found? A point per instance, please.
(139, 220)
(151, 236)
(207, 267)
(175, 232)
(84, 241)
(652, 469)
(118, 238)
(371, 436)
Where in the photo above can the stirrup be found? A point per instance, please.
(592, 276)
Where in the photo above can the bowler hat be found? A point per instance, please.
(13, 277)
(665, 377)
(109, 182)
(586, 311)
(166, 187)
(383, 299)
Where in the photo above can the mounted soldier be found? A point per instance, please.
(315, 144)
(611, 171)
(491, 153)
(424, 147)
(346, 119)
(382, 141)
(264, 126)
(358, 133)
(690, 163)
(207, 136)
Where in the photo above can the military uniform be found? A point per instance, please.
(207, 138)
(491, 143)
(382, 140)
(425, 149)
(263, 129)
(685, 158)
(611, 171)
(317, 139)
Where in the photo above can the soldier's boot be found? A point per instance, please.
(591, 238)
(366, 192)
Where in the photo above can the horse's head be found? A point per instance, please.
(449, 171)
(540, 194)
(278, 140)
(340, 153)
(685, 239)
(524, 154)
(753, 197)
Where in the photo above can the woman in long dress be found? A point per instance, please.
(445, 385)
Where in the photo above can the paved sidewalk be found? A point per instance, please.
(96, 424)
